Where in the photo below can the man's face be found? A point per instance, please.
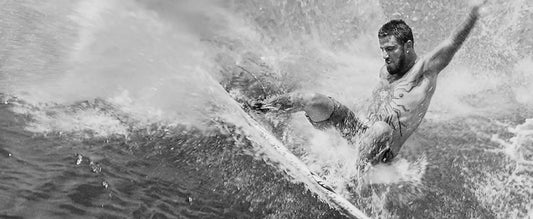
(393, 53)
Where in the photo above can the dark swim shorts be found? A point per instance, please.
(347, 123)
(343, 119)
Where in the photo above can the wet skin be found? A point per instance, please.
(402, 97)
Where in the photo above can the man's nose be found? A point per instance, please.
(384, 54)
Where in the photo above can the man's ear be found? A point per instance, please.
(408, 45)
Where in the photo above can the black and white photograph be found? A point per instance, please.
(266, 109)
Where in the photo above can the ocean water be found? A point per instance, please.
(134, 109)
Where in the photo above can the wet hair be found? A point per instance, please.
(397, 28)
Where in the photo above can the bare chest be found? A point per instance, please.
(403, 103)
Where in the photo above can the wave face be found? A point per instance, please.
(118, 108)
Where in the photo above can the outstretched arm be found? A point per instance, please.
(443, 54)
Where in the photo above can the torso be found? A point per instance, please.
(403, 103)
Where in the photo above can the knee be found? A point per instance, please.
(318, 107)
(380, 130)
(382, 127)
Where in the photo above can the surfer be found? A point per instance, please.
(400, 101)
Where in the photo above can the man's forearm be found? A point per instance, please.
(444, 53)
(460, 34)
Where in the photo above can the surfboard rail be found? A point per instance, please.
(299, 170)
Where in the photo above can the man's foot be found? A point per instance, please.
(259, 106)
(279, 103)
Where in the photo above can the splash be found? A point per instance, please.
(503, 192)
(519, 148)
(523, 77)
(398, 171)
(130, 56)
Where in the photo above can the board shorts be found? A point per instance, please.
(346, 122)
(343, 119)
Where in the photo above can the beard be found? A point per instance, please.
(395, 69)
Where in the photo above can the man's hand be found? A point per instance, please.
(477, 6)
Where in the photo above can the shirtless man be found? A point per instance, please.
(399, 102)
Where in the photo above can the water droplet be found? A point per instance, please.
(95, 168)
(80, 158)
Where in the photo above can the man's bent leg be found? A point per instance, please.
(322, 111)
(341, 118)
(317, 106)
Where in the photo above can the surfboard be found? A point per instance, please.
(297, 169)
(244, 86)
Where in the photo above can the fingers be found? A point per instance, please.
(478, 8)
(484, 9)
(478, 4)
